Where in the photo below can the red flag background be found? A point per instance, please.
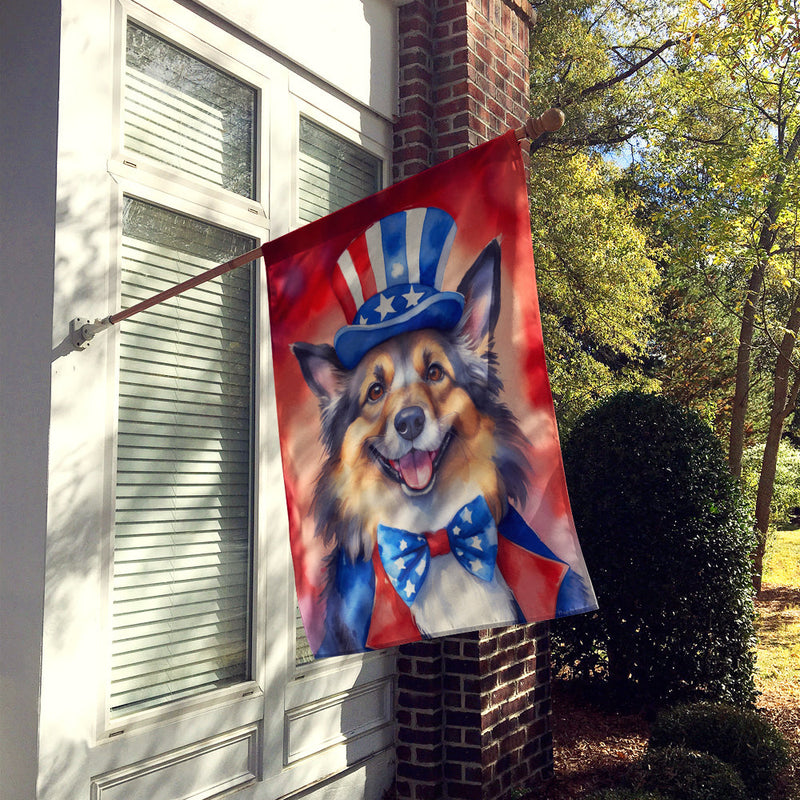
(485, 191)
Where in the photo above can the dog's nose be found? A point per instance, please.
(409, 422)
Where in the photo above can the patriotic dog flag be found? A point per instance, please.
(421, 462)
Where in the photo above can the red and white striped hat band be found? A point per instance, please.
(389, 280)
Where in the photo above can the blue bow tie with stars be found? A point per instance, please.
(471, 536)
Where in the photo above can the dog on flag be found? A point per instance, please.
(424, 462)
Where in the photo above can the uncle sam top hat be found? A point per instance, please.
(397, 264)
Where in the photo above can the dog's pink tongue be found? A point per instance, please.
(415, 468)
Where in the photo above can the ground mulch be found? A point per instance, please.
(593, 747)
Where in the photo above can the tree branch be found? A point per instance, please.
(601, 86)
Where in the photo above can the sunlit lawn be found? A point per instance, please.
(778, 627)
(783, 559)
(779, 616)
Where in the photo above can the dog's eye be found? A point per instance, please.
(375, 392)
(435, 372)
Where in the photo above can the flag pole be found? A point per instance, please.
(82, 331)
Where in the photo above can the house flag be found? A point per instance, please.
(422, 468)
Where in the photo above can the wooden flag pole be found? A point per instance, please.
(82, 331)
(179, 288)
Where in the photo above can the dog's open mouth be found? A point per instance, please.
(417, 468)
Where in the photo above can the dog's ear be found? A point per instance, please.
(481, 289)
(321, 368)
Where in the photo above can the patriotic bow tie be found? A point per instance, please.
(471, 536)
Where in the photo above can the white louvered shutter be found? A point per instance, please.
(332, 173)
(184, 113)
(182, 543)
(181, 593)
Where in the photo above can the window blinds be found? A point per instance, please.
(332, 173)
(182, 543)
(188, 115)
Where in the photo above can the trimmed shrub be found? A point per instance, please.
(667, 542)
(741, 738)
(683, 774)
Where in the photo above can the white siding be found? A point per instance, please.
(243, 736)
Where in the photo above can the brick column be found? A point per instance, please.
(420, 715)
(473, 711)
(473, 714)
(463, 77)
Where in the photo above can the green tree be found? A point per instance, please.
(596, 281)
(598, 60)
(723, 164)
(786, 492)
(666, 540)
(597, 278)
(704, 98)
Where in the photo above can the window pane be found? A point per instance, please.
(333, 172)
(182, 112)
(182, 542)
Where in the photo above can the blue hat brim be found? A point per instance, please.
(441, 311)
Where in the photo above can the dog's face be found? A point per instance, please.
(412, 430)
(417, 430)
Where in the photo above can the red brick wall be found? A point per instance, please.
(473, 714)
(473, 710)
(463, 77)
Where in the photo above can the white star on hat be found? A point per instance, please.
(409, 590)
(466, 516)
(412, 297)
(385, 306)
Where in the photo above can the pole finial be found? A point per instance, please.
(534, 127)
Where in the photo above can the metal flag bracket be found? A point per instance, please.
(82, 330)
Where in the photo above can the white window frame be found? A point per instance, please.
(281, 698)
(316, 686)
(137, 177)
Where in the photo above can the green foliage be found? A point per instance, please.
(719, 173)
(786, 490)
(591, 58)
(696, 344)
(683, 774)
(741, 738)
(596, 282)
(595, 271)
(667, 541)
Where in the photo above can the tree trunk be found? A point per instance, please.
(784, 398)
(766, 240)
(742, 388)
